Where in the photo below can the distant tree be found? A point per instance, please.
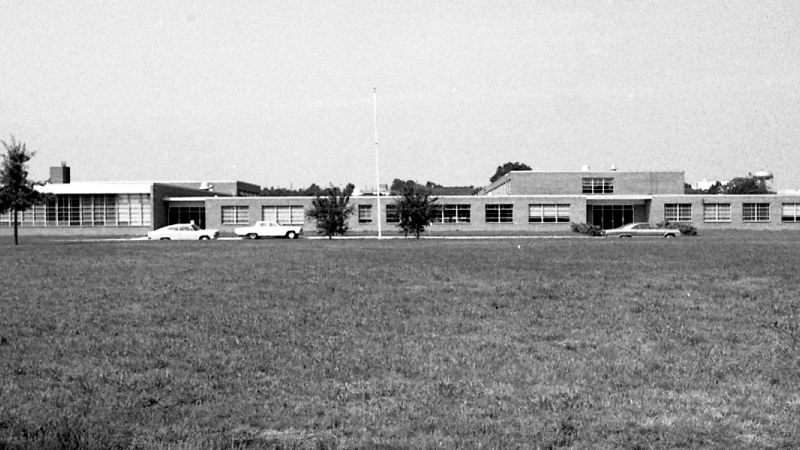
(415, 209)
(398, 185)
(331, 212)
(508, 167)
(715, 188)
(17, 193)
(746, 186)
(313, 191)
(348, 190)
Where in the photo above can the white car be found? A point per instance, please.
(269, 228)
(642, 229)
(182, 231)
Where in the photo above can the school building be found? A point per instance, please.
(519, 202)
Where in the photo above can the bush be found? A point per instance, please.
(684, 228)
(590, 230)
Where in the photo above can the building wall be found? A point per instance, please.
(161, 208)
(571, 183)
(652, 211)
(736, 202)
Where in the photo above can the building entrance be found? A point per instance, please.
(187, 214)
(610, 216)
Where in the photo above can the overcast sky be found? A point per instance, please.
(280, 93)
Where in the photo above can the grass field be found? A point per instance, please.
(584, 343)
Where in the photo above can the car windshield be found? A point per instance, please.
(193, 227)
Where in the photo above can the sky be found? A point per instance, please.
(284, 93)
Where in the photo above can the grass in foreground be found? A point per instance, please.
(688, 343)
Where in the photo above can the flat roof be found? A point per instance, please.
(97, 188)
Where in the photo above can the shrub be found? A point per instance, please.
(590, 230)
(685, 228)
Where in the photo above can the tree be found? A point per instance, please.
(746, 186)
(331, 212)
(415, 209)
(17, 193)
(508, 167)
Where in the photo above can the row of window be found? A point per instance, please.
(721, 212)
(287, 215)
(537, 213)
(86, 211)
(504, 213)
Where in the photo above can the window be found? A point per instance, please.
(791, 212)
(499, 213)
(598, 186)
(678, 212)
(755, 212)
(364, 213)
(717, 212)
(451, 214)
(545, 213)
(86, 211)
(236, 215)
(391, 214)
(285, 215)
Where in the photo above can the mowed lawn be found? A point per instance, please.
(394, 344)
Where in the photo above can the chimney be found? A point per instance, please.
(60, 175)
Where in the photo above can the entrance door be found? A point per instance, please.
(187, 214)
(610, 216)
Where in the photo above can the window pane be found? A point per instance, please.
(391, 214)
(364, 213)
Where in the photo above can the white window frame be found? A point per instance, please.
(283, 214)
(717, 212)
(237, 215)
(597, 185)
(452, 214)
(364, 213)
(790, 212)
(678, 212)
(499, 213)
(755, 212)
(548, 213)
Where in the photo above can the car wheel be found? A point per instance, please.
(204, 238)
(669, 236)
(291, 235)
(164, 239)
(253, 235)
(625, 236)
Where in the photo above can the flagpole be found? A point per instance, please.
(377, 171)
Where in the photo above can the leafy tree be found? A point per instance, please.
(715, 188)
(746, 186)
(415, 209)
(17, 193)
(331, 212)
(508, 167)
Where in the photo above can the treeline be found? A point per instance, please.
(396, 188)
(738, 186)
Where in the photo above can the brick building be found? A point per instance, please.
(520, 202)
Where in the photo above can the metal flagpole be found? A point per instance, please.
(377, 171)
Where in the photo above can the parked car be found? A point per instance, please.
(269, 228)
(182, 231)
(642, 229)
